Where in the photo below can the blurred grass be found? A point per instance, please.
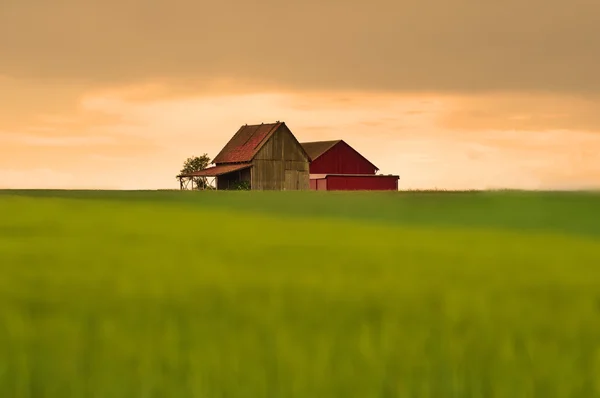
(299, 294)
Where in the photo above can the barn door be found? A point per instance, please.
(289, 182)
(303, 180)
(293, 180)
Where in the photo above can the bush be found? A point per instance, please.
(241, 186)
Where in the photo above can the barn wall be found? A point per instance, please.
(341, 159)
(366, 183)
(226, 181)
(281, 164)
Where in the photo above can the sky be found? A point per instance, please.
(448, 94)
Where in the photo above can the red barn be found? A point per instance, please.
(337, 166)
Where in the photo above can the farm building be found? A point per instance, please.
(336, 166)
(263, 157)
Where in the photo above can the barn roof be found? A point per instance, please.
(217, 170)
(246, 143)
(318, 148)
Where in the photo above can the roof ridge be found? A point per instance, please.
(275, 126)
(312, 142)
(248, 140)
(318, 148)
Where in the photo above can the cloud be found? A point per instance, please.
(202, 119)
(523, 112)
(386, 45)
(497, 159)
(123, 139)
(400, 134)
(22, 100)
(55, 140)
(50, 178)
(35, 179)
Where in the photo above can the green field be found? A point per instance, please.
(299, 294)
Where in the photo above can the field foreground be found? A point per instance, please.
(299, 294)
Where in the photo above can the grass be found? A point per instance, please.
(246, 294)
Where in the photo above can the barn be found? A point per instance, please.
(336, 166)
(262, 157)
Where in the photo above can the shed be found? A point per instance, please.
(264, 156)
(354, 182)
(335, 165)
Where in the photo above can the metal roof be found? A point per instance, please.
(217, 170)
(246, 143)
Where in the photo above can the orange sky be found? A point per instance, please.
(447, 93)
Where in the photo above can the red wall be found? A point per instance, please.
(358, 183)
(341, 159)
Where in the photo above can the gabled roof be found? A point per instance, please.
(217, 170)
(246, 143)
(318, 148)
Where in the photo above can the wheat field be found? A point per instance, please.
(299, 294)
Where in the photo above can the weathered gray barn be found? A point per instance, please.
(263, 156)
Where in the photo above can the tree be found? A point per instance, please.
(197, 163)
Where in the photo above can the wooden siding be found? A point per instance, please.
(341, 159)
(281, 164)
